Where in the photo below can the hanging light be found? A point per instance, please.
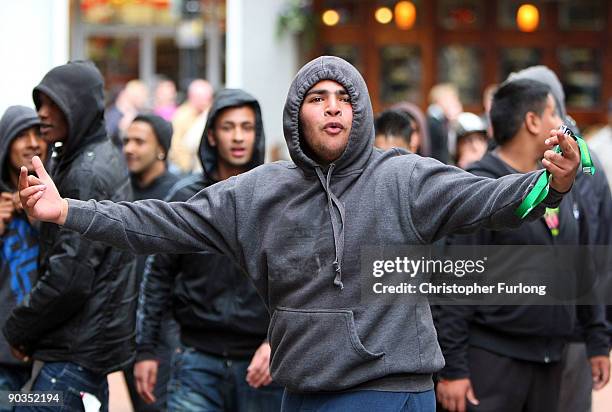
(527, 18)
(383, 15)
(330, 17)
(405, 15)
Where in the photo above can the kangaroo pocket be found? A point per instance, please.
(319, 350)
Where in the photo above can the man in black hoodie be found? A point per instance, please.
(79, 318)
(507, 358)
(19, 141)
(223, 362)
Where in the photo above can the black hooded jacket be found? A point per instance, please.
(215, 304)
(83, 307)
(19, 242)
(532, 333)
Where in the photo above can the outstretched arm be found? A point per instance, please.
(206, 222)
(447, 200)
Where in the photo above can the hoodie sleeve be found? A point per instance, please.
(446, 200)
(206, 222)
(155, 297)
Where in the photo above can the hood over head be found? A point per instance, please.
(15, 120)
(225, 99)
(361, 139)
(545, 75)
(78, 90)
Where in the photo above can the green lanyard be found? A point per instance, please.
(540, 190)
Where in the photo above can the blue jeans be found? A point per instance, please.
(12, 378)
(202, 382)
(360, 401)
(70, 379)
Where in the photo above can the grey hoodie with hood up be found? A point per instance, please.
(297, 228)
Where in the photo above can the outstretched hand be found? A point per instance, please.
(39, 196)
(562, 166)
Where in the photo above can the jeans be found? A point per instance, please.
(360, 401)
(12, 378)
(70, 379)
(203, 383)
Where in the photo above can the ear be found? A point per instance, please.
(211, 138)
(533, 123)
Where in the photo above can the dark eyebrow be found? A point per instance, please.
(325, 91)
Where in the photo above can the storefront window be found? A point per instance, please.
(507, 11)
(400, 74)
(347, 12)
(461, 66)
(517, 58)
(167, 59)
(116, 57)
(581, 76)
(460, 14)
(348, 52)
(131, 12)
(582, 15)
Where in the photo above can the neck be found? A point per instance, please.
(518, 154)
(145, 178)
(225, 171)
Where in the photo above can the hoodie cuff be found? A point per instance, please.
(80, 214)
(553, 199)
(145, 354)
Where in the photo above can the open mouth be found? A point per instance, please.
(333, 128)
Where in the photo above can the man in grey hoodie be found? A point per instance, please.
(296, 229)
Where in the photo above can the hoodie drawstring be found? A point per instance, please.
(337, 227)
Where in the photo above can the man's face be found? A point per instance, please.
(326, 117)
(234, 135)
(387, 142)
(25, 146)
(549, 120)
(141, 148)
(54, 127)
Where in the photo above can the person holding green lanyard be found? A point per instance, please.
(508, 358)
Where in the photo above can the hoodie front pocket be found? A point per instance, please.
(320, 350)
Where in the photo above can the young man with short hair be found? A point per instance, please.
(507, 358)
(295, 228)
(394, 129)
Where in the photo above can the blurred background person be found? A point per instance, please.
(164, 104)
(188, 123)
(19, 141)
(418, 123)
(472, 141)
(130, 101)
(443, 109)
(601, 143)
(393, 129)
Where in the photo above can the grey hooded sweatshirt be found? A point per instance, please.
(297, 228)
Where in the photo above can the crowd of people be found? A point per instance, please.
(155, 241)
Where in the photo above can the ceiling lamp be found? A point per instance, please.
(405, 15)
(383, 15)
(330, 17)
(527, 18)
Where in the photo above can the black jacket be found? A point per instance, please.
(215, 304)
(83, 307)
(532, 333)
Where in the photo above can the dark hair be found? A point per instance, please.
(395, 123)
(511, 102)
